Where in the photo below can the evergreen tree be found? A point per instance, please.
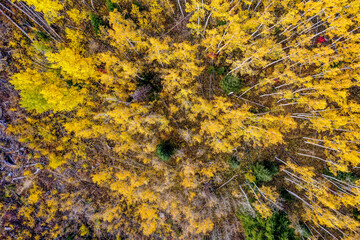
(276, 227)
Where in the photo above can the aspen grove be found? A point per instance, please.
(182, 119)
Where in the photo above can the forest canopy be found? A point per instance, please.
(181, 119)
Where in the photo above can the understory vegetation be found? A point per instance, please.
(186, 119)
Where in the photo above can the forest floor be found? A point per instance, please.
(11, 150)
(12, 153)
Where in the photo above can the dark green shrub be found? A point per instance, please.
(336, 64)
(220, 71)
(231, 83)
(234, 163)
(264, 172)
(256, 110)
(43, 36)
(347, 176)
(276, 227)
(221, 23)
(343, 176)
(96, 22)
(211, 69)
(112, 6)
(165, 150)
(356, 214)
(140, 6)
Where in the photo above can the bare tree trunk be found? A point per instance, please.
(16, 25)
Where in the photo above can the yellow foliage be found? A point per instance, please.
(84, 230)
(74, 65)
(262, 209)
(77, 16)
(51, 8)
(97, 106)
(35, 194)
